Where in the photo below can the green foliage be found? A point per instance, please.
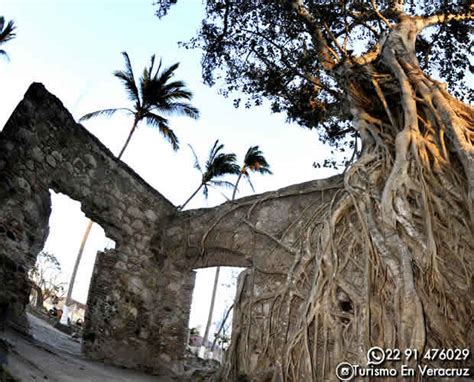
(222, 339)
(154, 96)
(264, 49)
(194, 331)
(217, 165)
(254, 161)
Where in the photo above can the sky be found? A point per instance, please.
(73, 47)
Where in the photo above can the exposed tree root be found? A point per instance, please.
(389, 262)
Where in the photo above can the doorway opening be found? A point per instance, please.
(51, 275)
(210, 333)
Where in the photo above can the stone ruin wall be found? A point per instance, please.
(138, 304)
(140, 294)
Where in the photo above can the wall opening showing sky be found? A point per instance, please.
(202, 294)
(65, 234)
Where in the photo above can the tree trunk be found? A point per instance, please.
(134, 127)
(222, 326)
(237, 183)
(78, 261)
(192, 196)
(211, 308)
(390, 261)
(39, 295)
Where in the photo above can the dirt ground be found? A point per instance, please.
(54, 356)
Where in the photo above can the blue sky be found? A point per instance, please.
(74, 46)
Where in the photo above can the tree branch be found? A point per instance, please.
(226, 23)
(322, 46)
(444, 18)
(304, 75)
(380, 15)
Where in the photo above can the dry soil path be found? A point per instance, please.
(54, 356)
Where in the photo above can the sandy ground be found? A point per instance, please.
(54, 356)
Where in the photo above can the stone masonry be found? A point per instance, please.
(138, 305)
(140, 295)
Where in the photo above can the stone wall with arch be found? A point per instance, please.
(140, 294)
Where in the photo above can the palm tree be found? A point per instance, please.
(217, 165)
(154, 96)
(253, 161)
(6, 33)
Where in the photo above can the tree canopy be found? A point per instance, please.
(289, 52)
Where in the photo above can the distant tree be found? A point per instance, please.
(218, 164)
(44, 277)
(220, 336)
(154, 96)
(6, 33)
(254, 161)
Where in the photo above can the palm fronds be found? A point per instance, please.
(253, 161)
(103, 113)
(162, 125)
(217, 165)
(196, 165)
(154, 97)
(6, 33)
(128, 79)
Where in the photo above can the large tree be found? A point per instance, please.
(391, 259)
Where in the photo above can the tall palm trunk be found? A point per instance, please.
(89, 227)
(237, 183)
(78, 261)
(134, 127)
(192, 196)
(211, 308)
